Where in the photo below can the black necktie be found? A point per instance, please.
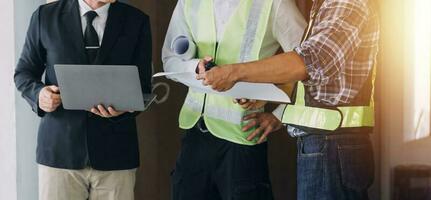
(91, 38)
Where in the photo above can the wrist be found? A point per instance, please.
(236, 72)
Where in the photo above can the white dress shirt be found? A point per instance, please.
(286, 27)
(99, 23)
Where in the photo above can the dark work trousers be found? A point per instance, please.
(335, 167)
(210, 168)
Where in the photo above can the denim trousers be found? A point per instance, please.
(335, 167)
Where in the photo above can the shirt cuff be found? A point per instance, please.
(306, 57)
(35, 106)
(315, 75)
(279, 111)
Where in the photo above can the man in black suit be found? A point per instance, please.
(84, 155)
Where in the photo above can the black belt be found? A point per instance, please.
(340, 131)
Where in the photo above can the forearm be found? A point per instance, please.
(280, 69)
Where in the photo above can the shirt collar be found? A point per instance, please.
(102, 12)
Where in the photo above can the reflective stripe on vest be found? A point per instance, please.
(218, 112)
(327, 119)
(242, 42)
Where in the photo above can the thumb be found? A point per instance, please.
(54, 89)
(201, 67)
(200, 76)
(208, 59)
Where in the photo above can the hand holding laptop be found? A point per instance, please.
(106, 113)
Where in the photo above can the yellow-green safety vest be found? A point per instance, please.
(241, 42)
(328, 119)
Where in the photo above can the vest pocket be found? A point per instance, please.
(356, 165)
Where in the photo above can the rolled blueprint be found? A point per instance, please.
(184, 47)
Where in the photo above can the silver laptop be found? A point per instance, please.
(85, 86)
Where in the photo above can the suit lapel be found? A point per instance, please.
(114, 26)
(71, 19)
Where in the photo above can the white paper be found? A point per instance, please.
(186, 49)
(168, 74)
(257, 91)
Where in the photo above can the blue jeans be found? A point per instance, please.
(335, 167)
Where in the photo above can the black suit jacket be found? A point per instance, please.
(76, 139)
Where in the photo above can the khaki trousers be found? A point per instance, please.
(64, 184)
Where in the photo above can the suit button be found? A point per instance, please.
(90, 114)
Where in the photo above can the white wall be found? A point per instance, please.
(8, 185)
(26, 121)
(18, 125)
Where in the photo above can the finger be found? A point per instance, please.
(200, 76)
(45, 104)
(246, 105)
(250, 116)
(43, 107)
(56, 100)
(49, 103)
(254, 105)
(103, 111)
(54, 89)
(205, 82)
(218, 89)
(112, 111)
(54, 96)
(264, 123)
(201, 67)
(235, 101)
(208, 58)
(243, 101)
(46, 93)
(224, 89)
(254, 134)
(56, 103)
(96, 111)
(262, 138)
(249, 125)
(47, 107)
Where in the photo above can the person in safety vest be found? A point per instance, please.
(217, 161)
(333, 109)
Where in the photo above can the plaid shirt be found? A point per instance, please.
(341, 50)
